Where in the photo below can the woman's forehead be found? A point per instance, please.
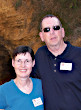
(27, 54)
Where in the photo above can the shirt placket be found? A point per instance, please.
(55, 65)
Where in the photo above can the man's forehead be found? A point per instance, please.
(50, 20)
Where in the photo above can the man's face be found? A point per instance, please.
(52, 37)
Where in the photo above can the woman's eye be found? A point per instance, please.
(19, 60)
(27, 60)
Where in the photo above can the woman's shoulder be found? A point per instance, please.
(6, 84)
(37, 85)
(36, 81)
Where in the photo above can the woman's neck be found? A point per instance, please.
(25, 85)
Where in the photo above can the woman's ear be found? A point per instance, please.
(13, 62)
(33, 63)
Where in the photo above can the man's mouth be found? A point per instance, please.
(53, 38)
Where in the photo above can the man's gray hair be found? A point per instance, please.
(49, 15)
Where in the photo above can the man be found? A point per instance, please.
(58, 65)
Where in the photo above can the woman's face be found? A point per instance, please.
(23, 65)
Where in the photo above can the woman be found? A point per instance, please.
(23, 92)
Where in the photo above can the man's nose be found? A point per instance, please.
(52, 31)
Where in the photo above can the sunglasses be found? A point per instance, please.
(47, 29)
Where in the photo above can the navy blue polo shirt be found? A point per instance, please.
(61, 77)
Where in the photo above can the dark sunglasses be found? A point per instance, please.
(47, 29)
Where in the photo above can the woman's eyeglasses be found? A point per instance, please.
(47, 29)
(26, 62)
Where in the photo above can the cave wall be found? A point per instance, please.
(19, 25)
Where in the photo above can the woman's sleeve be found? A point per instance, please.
(2, 99)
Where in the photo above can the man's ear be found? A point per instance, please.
(13, 62)
(63, 33)
(41, 36)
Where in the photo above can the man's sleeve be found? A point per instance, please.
(35, 70)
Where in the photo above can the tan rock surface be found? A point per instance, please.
(19, 25)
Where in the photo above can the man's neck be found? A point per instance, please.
(58, 50)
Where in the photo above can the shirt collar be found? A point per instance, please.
(65, 52)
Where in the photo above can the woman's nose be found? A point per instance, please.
(23, 64)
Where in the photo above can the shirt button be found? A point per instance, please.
(55, 58)
(54, 64)
(54, 70)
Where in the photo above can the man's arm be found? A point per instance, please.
(35, 73)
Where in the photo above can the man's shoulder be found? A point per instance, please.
(73, 48)
(74, 51)
(42, 49)
(76, 48)
(41, 52)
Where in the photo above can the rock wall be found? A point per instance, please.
(19, 25)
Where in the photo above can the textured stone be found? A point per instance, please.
(19, 25)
